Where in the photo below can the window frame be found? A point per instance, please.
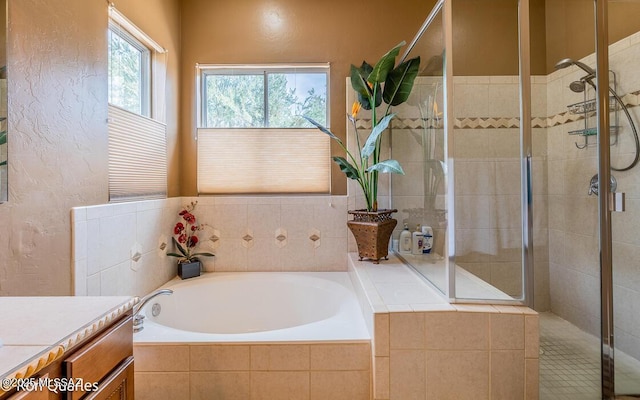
(203, 70)
(145, 66)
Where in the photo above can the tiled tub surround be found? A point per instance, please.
(424, 348)
(259, 371)
(120, 249)
(326, 356)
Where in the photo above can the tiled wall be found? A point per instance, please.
(486, 154)
(256, 372)
(488, 183)
(119, 249)
(573, 215)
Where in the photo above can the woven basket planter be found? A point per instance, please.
(372, 231)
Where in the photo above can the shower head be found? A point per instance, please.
(567, 62)
(577, 86)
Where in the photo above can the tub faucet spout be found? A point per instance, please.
(138, 319)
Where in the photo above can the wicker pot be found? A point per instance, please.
(188, 270)
(372, 231)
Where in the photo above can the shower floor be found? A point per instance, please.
(570, 363)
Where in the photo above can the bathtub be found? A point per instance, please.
(254, 307)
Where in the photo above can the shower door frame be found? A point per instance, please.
(604, 200)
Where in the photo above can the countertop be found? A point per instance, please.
(36, 331)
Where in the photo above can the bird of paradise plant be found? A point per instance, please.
(368, 82)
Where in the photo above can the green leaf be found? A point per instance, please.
(322, 128)
(175, 255)
(399, 83)
(203, 254)
(345, 166)
(384, 65)
(3, 137)
(358, 79)
(180, 248)
(387, 166)
(372, 140)
(359, 83)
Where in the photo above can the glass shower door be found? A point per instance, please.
(624, 58)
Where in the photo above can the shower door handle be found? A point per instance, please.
(617, 201)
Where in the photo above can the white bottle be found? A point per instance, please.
(416, 241)
(405, 241)
(427, 242)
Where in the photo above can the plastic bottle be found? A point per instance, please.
(427, 243)
(405, 241)
(416, 241)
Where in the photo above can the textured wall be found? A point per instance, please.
(58, 138)
(58, 131)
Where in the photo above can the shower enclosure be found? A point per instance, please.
(512, 142)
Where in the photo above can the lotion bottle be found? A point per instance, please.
(416, 242)
(405, 240)
(427, 240)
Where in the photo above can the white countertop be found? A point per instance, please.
(36, 327)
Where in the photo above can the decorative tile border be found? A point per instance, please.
(630, 100)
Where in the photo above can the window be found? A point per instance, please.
(253, 137)
(137, 133)
(129, 72)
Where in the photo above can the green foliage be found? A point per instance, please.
(373, 85)
(237, 101)
(400, 82)
(125, 74)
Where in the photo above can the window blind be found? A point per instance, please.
(263, 161)
(137, 156)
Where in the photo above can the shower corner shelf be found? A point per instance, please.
(589, 106)
(588, 110)
(593, 131)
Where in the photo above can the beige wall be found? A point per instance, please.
(279, 31)
(58, 131)
(570, 27)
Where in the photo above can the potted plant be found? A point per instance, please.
(185, 239)
(382, 83)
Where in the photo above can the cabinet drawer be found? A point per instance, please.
(118, 385)
(96, 359)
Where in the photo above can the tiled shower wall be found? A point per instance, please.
(486, 154)
(119, 249)
(573, 215)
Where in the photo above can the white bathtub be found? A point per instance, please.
(252, 307)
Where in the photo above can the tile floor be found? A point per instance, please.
(570, 363)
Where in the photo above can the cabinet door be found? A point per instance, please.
(94, 361)
(117, 386)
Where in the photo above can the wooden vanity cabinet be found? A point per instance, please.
(105, 358)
